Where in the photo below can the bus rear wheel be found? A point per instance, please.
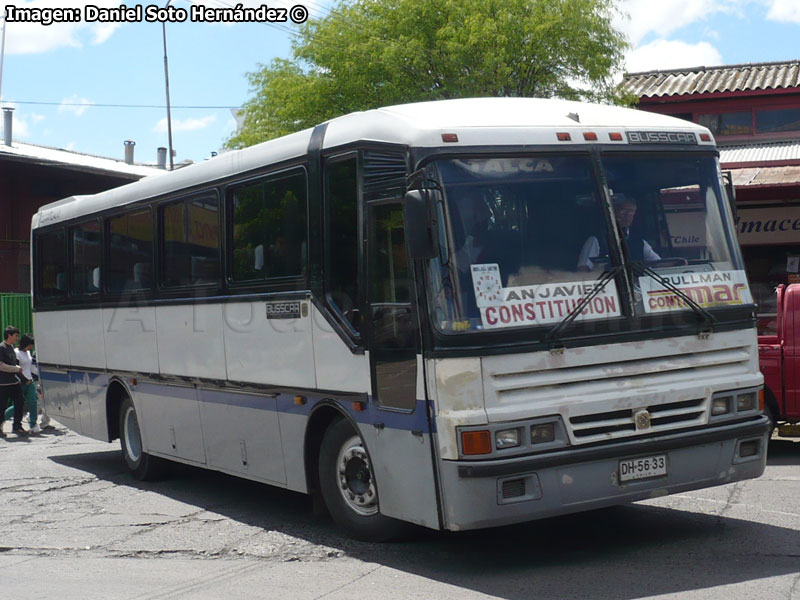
(141, 465)
(347, 484)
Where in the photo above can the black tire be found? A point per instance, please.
(348, 486)
(141, 465)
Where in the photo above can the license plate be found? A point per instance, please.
(642, 468)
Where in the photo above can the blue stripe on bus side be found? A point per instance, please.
(415, 421)
(51, 376)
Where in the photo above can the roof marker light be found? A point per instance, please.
(615, 136)
(563, 137)
(705, 137)
(449, 137)
(590, 136)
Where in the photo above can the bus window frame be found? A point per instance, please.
(52, 301)
(100, 293)
(202, 288)
(355, 336)
(150, 292)
(294, 283)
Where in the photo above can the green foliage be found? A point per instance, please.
(370, 53)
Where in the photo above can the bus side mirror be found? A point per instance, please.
(419, 216)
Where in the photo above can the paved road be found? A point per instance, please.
(77, 526)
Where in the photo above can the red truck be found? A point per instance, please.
(779, 357)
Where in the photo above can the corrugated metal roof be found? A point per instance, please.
(710, 80)
(768, 152)
(763, 176)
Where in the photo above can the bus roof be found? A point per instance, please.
(475, 121)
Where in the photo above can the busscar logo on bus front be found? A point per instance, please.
(661, 137)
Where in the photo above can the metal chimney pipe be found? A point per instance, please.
(162, 157)
(8, 118)
(129, 144)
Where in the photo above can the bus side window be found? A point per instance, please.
(51, 266)
(130, 251)
(342, 239)
(268, 227)
(85, 243)
(190, 242)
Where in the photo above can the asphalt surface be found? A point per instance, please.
(75, 525)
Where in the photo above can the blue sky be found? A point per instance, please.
(95, 64)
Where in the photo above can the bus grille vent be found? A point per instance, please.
(624, 422)
(384, 175)
(513, 488)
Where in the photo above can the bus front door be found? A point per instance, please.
(401, 437)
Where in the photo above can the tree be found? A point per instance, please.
(370, 53)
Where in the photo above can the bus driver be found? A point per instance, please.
(638, 247)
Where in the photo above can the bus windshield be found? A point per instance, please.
(523, 239)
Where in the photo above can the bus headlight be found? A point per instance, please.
(721, 405)
(543, 433)
(507, 438)
(746, 402)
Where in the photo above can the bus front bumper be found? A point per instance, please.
(501, 492)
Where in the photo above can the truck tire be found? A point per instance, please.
(141, 465)
(348, 487)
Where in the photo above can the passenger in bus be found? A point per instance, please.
(596, 247)
(9, 381)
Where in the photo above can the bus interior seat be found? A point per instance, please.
(203, 270)
(95, 283)
(142, 275)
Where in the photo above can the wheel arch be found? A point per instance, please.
(115, 395)
(319, 420)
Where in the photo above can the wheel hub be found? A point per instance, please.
(356, 482)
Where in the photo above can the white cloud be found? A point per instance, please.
(189, 124)
(670, 54)
(37, 118)
(665, 17)
(784, 10)
(34, 38)
(104, 31)
(75, 105)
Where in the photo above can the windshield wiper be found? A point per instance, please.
(707, 317)
(552, 338)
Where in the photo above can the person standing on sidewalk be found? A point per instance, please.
(9, 382)
(23, 352)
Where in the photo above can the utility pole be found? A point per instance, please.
(2, 53)
(166, 85)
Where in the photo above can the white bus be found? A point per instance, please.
(458, 314)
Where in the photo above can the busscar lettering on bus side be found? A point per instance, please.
(283, 310)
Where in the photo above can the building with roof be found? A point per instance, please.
(32, 176)
(753, 111)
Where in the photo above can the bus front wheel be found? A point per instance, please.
(347, 484)
(141, 465)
